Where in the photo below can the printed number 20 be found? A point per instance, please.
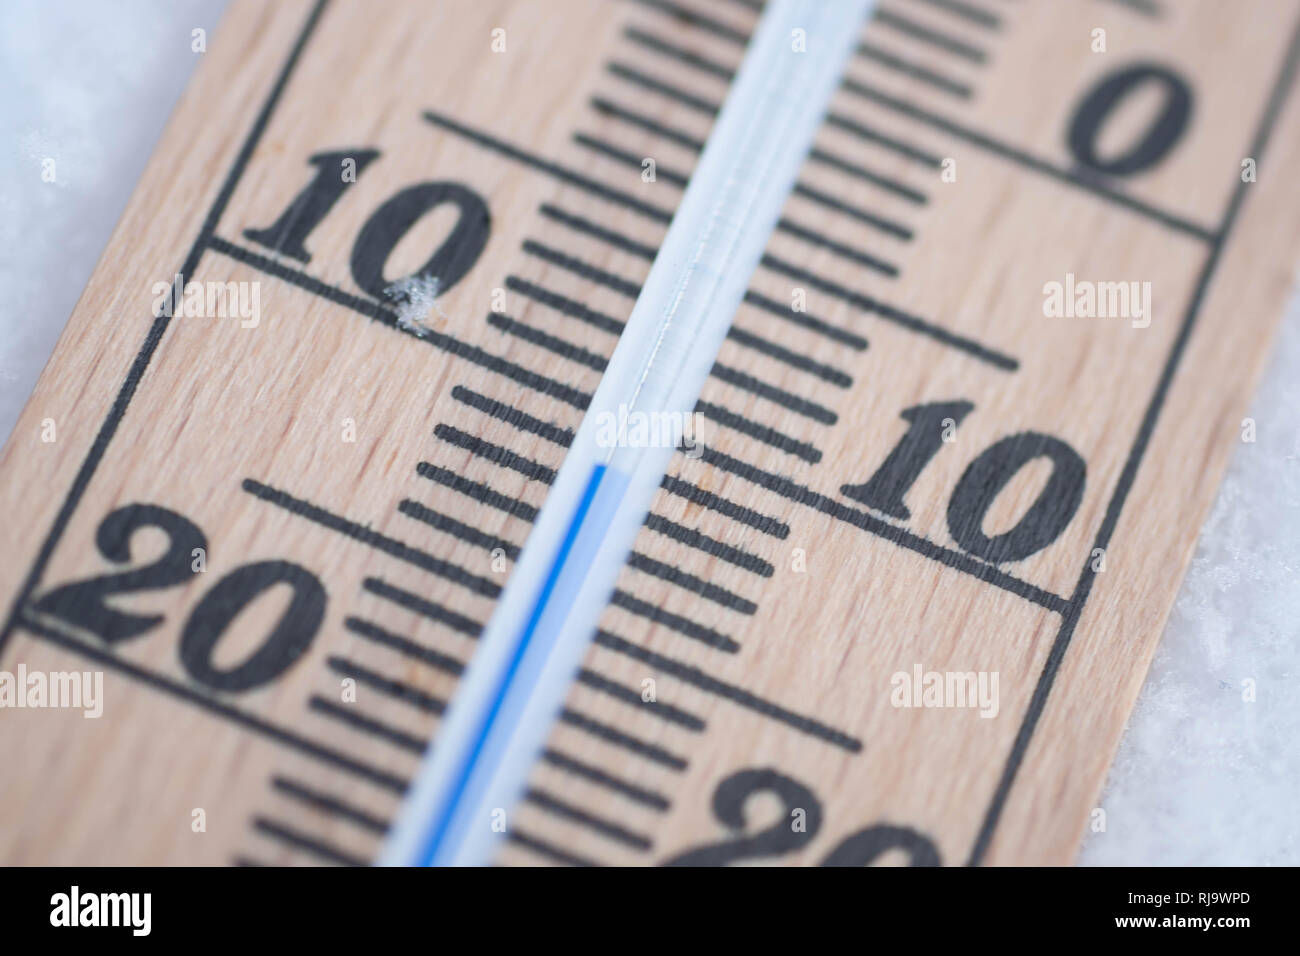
(84, 604)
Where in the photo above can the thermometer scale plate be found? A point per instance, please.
(360, 475)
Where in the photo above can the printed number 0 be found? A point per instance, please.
(290, 637)
(1097, 106)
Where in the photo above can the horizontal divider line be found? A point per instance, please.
(371, 631)
(457, 529)
(968, 12)
(689, 582)
(569, 176)
(515, 417)
(819, 239)
(616, 738)
(757, 430)
(682, 55)
(710, 546)
(280, 735)
(554, 344)
(871, 135)
(835, 204)
(498, 455)
(1094, 185)
(346, 715)
(935, 38)
(649, 124)
(427, 609)
(956, 560)
(325, 803)
(318, 848)
(584, 270)
(675, 622)
(477, 490)
(564, 305)
(368, 536)
(566, 811)
(631, 160)
(396, 689)
(702, 681)
(385, 316)
(684, 16)
(891, 314)
(546, 850)
(826, 158)
(611, 688)
(713, 502)
(596, 231)
(1145, 7)
(802, 319)
(885, 58)
(795, 360)
(602, 778)
(772, 393)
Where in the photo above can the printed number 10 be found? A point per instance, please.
(980, 485)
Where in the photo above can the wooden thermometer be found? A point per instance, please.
(308, 514)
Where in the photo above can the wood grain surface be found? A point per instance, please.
(339, 463)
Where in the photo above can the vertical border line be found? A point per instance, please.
(156, 331)
(1038, 702)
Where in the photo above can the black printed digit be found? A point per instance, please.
(385, 228)
(731, 800)
(988, 474)
(885, 490)
(83, 604)
(866, 846)
(1097, 106)
(391, 221)
(980, 484)
(291, 636)
(288, 234)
